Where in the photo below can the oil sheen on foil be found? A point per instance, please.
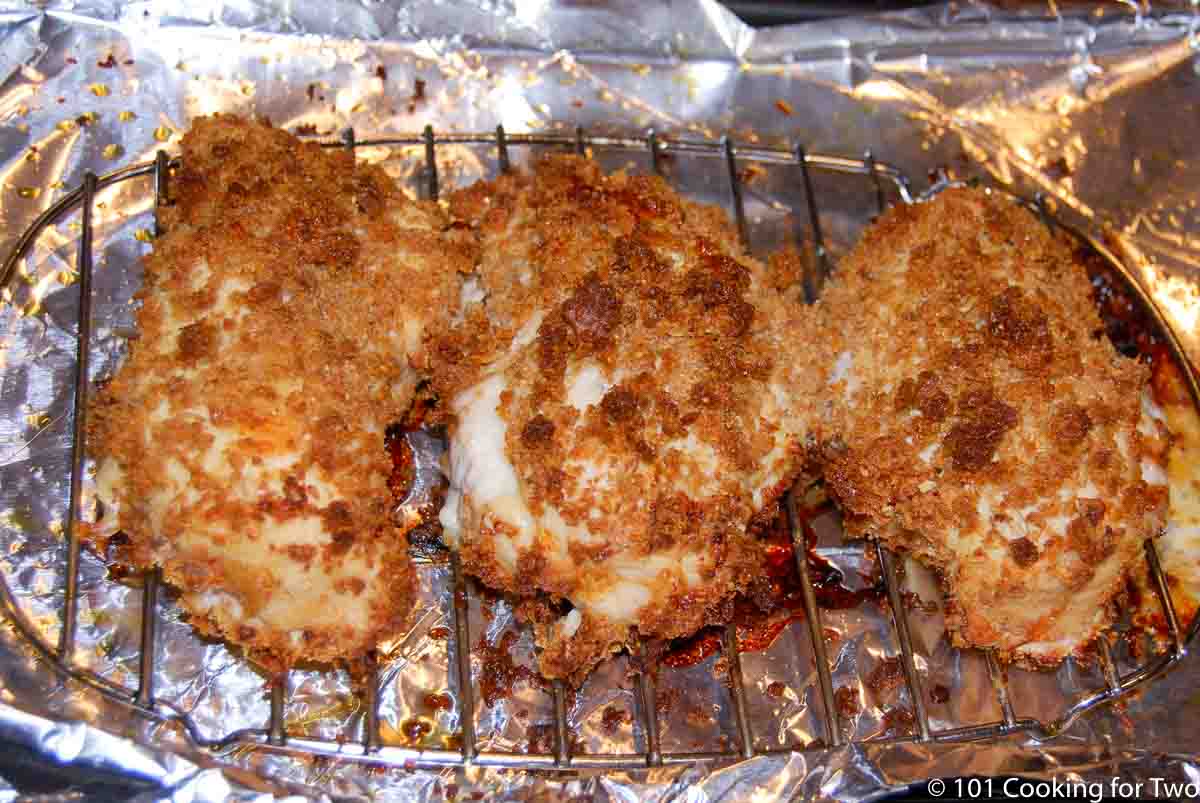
(1095, 111)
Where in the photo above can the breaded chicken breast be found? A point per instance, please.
(976, 416)
(241, 444)
(628, 394)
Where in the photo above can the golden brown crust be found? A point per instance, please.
(977, 417)
(645, 416)
(241, 443)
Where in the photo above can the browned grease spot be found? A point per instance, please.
(404, 465)
(500, 675)
(539, 430)
(1023, 552)
(925, 395)
(846, 698)
(1071, 424)
(1092, 509)
(620, 405)
(541, 739)
(695, 649)
(302, 553)
(776, 599)
(196, 341)
(983, 421)
(613, 718)
(1086, 540)
(885, 677)
(415, 729)
(898, 721)
(719, 285)
(1020, 328)
(593, 310)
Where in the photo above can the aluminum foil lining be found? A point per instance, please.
(1094, 110)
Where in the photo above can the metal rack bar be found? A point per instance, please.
(162, 174)
(502, 150)
(1108, 666)
(371, 736)
(408, 757)
(990, 730)
(732, 653)
(735, 189)
(1000, 684)
(276, 730)
(880, 200)
(1082, 705)
(152, 578)
(1135, 678)
(461, 658)
(767, 155)
(737, 686)
(900, 618)
(649, 708)
(647, 690)
(431, 170)
(562, 744)
(812, 615)
(1043, 212)
(117, 689)
(655, 157)
(1164, 597)
(147, 649)
(66, 644)
(812, 285)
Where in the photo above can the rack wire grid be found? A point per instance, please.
(368, 746)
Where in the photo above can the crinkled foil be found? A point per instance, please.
(1096, 111)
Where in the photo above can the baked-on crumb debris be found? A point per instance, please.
(628, 391)
(976, 416)
(241, 444)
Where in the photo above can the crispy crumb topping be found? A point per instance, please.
(976, 415)
(241, 444)
(653, 401)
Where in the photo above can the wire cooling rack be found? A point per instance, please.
(880, 179)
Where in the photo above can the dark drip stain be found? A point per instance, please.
(499, 674)
(778, 600)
